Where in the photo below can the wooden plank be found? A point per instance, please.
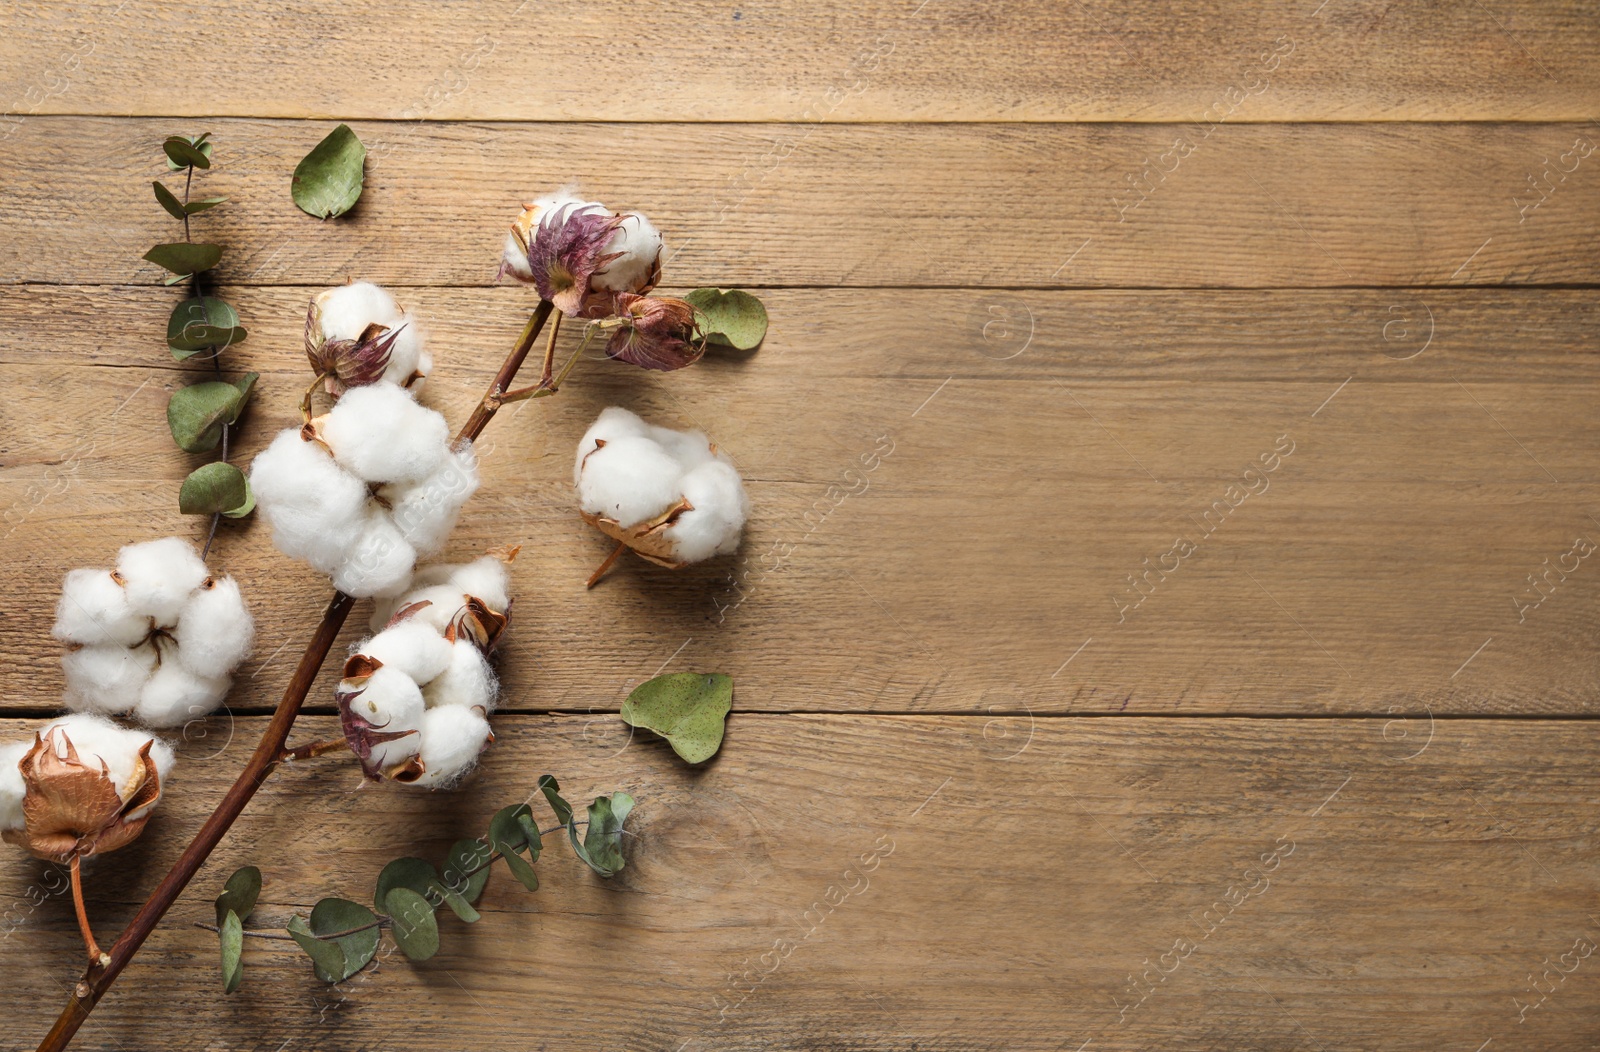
(1029, 452)
(830, 61)
(1329, 883)
(857, 205)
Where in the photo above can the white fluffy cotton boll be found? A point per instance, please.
(689, 448)
(107, 677)
(96, 739)
(159, 575)
(346, 311)
(412, 647)
(640, 244)
(174, 695)
(391, 701)
(94, 609)
(628, 479)
(11, 785)
(469, 681)
(717, 518)
(443, 603)
(425, 512)
(214, 631)
(316, 509)
(613, 423)
(380, 560)
(379, 434)
(452, 739)
(488, 578)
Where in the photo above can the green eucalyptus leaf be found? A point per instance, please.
(530, 833)
(552, 793)
(239, 894)
(333, 941)
(465, 871)
(327, 182)
(201, 205)
(182, 152)
(505, 832)
(521, 870)
(183, 258)
(230, 933)
(247, 507)
(168, 200)
(734, 318)
(415, 928)
(417, 874)
(202, 322)
(686, 708)
(212, 489)
(196, 414)
(602, 843)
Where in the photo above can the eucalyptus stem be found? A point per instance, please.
(103, 972)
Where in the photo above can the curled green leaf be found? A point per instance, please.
(202, 204)
(214, 488)
(733, 319)
(230, 934)
(602, 842)
(239, 894)
(183, 258)
(327, 182)
(414, 927)
(197, 414)
(686, 708)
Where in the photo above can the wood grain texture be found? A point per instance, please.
(857, 205)
(938, 60)
(1020, 881)
(951, 517)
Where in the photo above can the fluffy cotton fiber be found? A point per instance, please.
(345, 312)
(96, 740)
(425, 676)
(636, 239)
(632, 473)
(158, 637)
(373, 485)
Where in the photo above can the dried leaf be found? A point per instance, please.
(327, 182)
(686, 708)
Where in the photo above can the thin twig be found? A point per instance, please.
(93, 948)
(550, 352)
(320, 747)
(600, 571)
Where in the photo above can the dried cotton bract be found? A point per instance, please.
(357, 334)
(579, 253)
(416, 696)
(81, 787)
(362, 491)
(157, 637)
(669, 495)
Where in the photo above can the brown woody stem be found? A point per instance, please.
(104, 969)
(320, 747)
(600, 571)
(550, 353)
(89, 944)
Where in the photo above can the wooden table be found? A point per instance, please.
(1158, 626)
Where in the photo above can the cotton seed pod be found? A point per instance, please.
(72, 804)
(380, 712)
(357, 334)
(657, 332)
(577, 253)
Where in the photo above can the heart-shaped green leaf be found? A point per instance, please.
(214, 488)
(602, 843)
(327, 182)
(341, 938)
(415, 928)
(230, 934)
(202, 322)
(182, 152)
(686, 708)
(239, 894)
(168, 200)
(196, 414)
(184, 259)
(734, 318)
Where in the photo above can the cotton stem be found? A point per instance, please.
(97, 959)
(600, 571)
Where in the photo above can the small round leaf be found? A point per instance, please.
(214, 488)
(686, 708)
(734, 318)
(347, 928)
(182, 152)
(415, 928)
(239, 894)
(169, 200)
(327, 182)
(183, 258)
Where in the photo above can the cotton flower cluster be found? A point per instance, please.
(579, 253)
(157, 637)
(416, 696)
(669, 495)
(83, 785)
(357, 334)
(362, 491)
